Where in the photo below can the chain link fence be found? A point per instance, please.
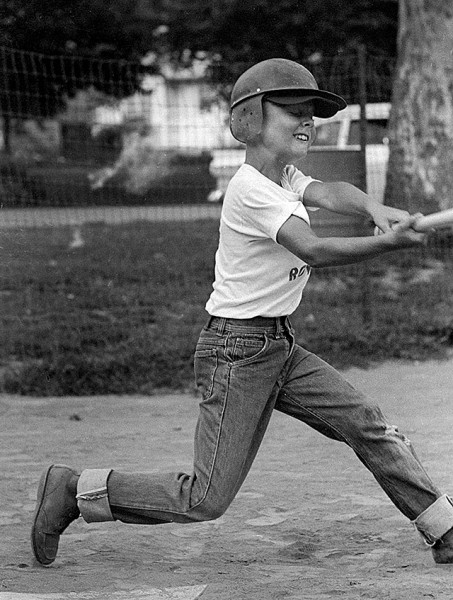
(111, 183)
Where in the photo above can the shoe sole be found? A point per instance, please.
(39, 502)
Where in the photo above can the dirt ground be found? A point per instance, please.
(310, 523)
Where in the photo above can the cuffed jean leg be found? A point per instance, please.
(92, 495)
(317, 394)
(436, 520)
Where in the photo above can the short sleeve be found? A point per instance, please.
(296, 181)
(265, 210)
(257, 207)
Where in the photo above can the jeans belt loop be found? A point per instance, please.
(221, 325)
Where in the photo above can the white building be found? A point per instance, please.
(176, 110)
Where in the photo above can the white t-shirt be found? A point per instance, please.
(254, 275)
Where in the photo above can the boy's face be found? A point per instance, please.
(288, 130)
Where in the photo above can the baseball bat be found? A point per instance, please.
(437, 220)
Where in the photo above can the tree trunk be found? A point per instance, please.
(420, 172)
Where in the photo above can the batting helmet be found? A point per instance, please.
(286, 82)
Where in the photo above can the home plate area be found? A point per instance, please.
(176, 593)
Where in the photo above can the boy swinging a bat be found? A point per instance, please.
(247, 363)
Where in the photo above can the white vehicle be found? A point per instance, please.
(340, 132)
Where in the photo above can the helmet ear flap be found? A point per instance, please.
(246, 119)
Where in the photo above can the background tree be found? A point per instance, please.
(234, 29)
(240, 33)
(420, 176)
(83, 27)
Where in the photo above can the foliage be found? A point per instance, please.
(84, 27)
(230, 33)
(48, 51)
(239, 33)
(121, 312)
(37, 85)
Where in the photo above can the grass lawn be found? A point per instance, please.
(121, 312)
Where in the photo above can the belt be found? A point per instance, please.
(264, 322)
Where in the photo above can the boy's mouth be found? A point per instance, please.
(302, 137)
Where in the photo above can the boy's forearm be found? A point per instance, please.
(335, 251)
(345, 198)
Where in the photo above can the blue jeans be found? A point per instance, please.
(244, 370)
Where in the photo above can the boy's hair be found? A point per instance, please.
(286, 81)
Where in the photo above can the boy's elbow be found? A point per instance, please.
(297, 237)
(316, 263)
(311, 256)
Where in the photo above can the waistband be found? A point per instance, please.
(272, 324)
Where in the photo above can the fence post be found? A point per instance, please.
(365, 274)
(363, 124)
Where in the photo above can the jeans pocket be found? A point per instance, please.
(205, 366)
(242, 349)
